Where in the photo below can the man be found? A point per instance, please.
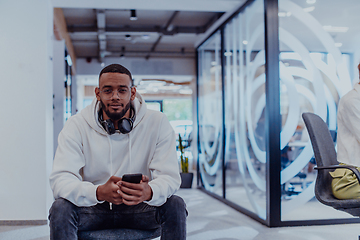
(345, 184)
(116, 135)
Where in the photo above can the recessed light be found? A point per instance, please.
(145, 36)
(133, 16)
(310, 1)
(245, 42)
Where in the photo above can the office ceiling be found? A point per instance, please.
(171, 28)
(163, 28)
(110, 33)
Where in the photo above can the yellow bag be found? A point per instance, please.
(345, 184)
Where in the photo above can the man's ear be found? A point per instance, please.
(97, 93)
(133, 93)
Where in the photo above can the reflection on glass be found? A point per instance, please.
(210, 114)
(313, 76)
(245, 153)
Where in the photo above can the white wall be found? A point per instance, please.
(26, 130)
(58, 88)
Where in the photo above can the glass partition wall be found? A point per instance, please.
(266, 65)
(210, 117)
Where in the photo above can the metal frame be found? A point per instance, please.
(272, 114)
(222, 59)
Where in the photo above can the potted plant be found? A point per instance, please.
(186, 177)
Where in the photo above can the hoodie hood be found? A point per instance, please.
(91, 116)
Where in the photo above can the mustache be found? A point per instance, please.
(120, 104)
(115, 102)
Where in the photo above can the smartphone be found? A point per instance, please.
(132, 178)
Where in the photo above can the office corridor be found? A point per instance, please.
(210, 219)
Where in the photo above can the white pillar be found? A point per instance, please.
(26, 129)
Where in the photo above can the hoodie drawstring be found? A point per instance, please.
(111, 165)
(130, 167)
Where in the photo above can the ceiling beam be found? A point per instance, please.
(149, 29)
(163, 5)
(60, 31)
(171, 19)
(101, 24)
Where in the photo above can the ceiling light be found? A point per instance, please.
(335, 29)
(338, 44)
(245, 42)
(310, 1)
(228, 54)
(309, 9)
(133, 15)
(128, 37)
(145, 36)
(185, 91)
(170, 28)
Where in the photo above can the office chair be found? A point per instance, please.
(325, 157)
(119, 234)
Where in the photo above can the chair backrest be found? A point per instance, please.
(321, 140)
(325, 155)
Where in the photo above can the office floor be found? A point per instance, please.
(210, 219)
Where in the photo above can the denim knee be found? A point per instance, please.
(176, 202)
(61, 207)
(174, 205)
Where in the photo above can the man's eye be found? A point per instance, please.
(107, 91)
(122, 90)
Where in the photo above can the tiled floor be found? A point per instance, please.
(210, 219)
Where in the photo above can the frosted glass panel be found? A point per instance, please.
(210, 115)
(314, 75)
(245, 154)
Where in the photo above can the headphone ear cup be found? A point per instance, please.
(125, 125)
(109, 126)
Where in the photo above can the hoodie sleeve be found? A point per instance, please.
(66, 180)
(164, 165)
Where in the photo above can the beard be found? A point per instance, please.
(114, 116)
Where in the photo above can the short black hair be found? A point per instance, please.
(116, 68)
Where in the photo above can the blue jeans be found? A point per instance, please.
(66, 219)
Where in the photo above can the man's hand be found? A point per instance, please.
(135, 193)
(110, 191)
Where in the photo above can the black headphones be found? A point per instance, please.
(125, 124)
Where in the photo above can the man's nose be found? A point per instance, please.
(116, 95)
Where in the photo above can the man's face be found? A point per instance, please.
(115, 93)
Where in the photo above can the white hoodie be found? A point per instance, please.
(87, 156)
